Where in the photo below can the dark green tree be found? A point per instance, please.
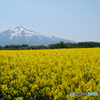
(61, 44)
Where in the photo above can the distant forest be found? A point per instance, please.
(52, 46)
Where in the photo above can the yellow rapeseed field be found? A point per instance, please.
(49, 74)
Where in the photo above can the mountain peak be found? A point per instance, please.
(20, 27)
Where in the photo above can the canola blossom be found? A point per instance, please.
(49, 74)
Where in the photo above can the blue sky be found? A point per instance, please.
(76, 20)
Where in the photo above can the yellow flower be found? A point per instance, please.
(49, 72)
(19, 98)
(8, 97)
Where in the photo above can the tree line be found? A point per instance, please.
(52, 46)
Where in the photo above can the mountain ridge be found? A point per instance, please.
(21, 35)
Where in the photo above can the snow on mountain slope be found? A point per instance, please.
(18, 31)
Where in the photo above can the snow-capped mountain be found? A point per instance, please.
(20, 35)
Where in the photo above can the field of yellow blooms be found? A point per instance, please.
(49, 74)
